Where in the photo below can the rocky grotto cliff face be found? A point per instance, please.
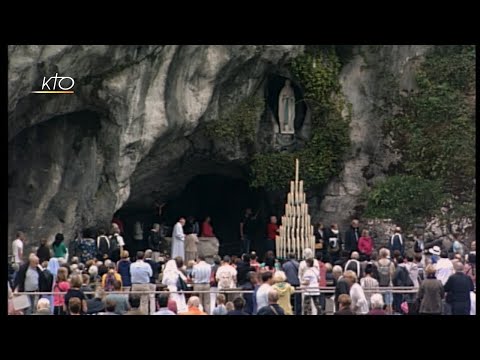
(134, 131)
(126, 133)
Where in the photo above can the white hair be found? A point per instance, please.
(337, 269)
(376, 301)
(107, 262)
(43, 303)
(93, 270)
(307, 253)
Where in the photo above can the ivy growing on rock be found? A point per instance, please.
(239, 123)
(317, 73)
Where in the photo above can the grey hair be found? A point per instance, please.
(307, 253)
(194, 301)
(337, 269)
(43, 303)
(376, 301)
(355, 255)
(148, 253)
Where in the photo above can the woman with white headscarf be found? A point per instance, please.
(53, 266)
(170, 279)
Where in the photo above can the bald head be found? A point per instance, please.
(355, 255)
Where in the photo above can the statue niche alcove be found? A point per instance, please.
(286, 108)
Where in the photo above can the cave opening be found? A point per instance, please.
(222, 197)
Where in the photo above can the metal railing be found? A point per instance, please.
(323, 290)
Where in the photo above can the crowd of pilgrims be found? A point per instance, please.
(100, 276)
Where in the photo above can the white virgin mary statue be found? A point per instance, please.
(286, 109)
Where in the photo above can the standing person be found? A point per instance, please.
(191, 240)
(123, 268)
(207, 229)
(396, 242)
(250, 298)
(359, 301)
(334, 243)
(17, 248)
(117, 244)
(43, 251)
(201, 281)
(226, 276)
(386, 270)
(171, 275)
(430, 294)
(110, 277)
(369, 283)
(321, 243)
(140, 273)
(352, 236)
(59, 248)
(103, 245)
(341, 285)
(365, 244)
(154, 242)
(458, 288)
(272, 232)
(87, 246)
(178, 240)
(75, 292)
(32, 278)
(243, 268)
(262, 292)
(61, 286)
(284, 290)
(247, 229)
(290, 267)
(444, 267)
(53, 266)
(311, 279)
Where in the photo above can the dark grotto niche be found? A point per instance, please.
(221, 197)
(275, 83)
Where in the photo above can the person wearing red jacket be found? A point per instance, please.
(365, 244)
(207, 229)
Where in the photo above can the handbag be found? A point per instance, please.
(181, 284)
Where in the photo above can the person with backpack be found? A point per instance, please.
(401, 278)
(109, 278)
(386, 270)
(334, 243)
(396, 242)
(117, 243)
(103, 245)
(354, 265)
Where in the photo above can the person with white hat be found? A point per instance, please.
(435, 253)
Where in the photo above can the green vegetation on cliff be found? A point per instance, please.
(317, 73)
(239, 123)
(435, 134)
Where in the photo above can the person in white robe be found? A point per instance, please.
(170, 278)
(178, 240)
